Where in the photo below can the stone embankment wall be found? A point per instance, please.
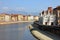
(41, 34)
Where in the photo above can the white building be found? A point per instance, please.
(52, 20)
(47, 18)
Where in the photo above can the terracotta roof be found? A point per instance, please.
(57, 8)
(14, 15)
(3, 14)
(49, 7)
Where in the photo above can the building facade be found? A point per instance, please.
(47, 17)
(30, 18)
(2, 18)
(14, 17)
(25, 18)
(57, 13)
(20, 17)
(36, 18)
(5, 17)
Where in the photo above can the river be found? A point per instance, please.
(17, 31)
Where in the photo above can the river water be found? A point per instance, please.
(17, 31)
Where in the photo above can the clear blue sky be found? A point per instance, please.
(28, 5)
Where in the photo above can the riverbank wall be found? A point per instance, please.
(41, 34)
(11, 22)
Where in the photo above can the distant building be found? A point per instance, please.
(14, 17)
(5, 17)
(20, 17)
(2, 18)
(25, 18)
(30, 18)
(17, 17)
(36, 18)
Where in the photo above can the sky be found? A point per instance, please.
(28, 5)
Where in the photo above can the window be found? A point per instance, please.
(45, 23)
(43, 13)
(51, 23)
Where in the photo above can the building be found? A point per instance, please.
(51, 17)
(20, 17)
(47, 17)
(2, 18)
(41, 17)
(14, 17)
(5, 17)
(30, 18)
(36, 18)
(57, 13)
(25, 18)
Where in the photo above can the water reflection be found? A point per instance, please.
(17, 31)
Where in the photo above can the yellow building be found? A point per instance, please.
(20, 17)
(30, 18)
(1, 17)
(36, 18)
(5, 17)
